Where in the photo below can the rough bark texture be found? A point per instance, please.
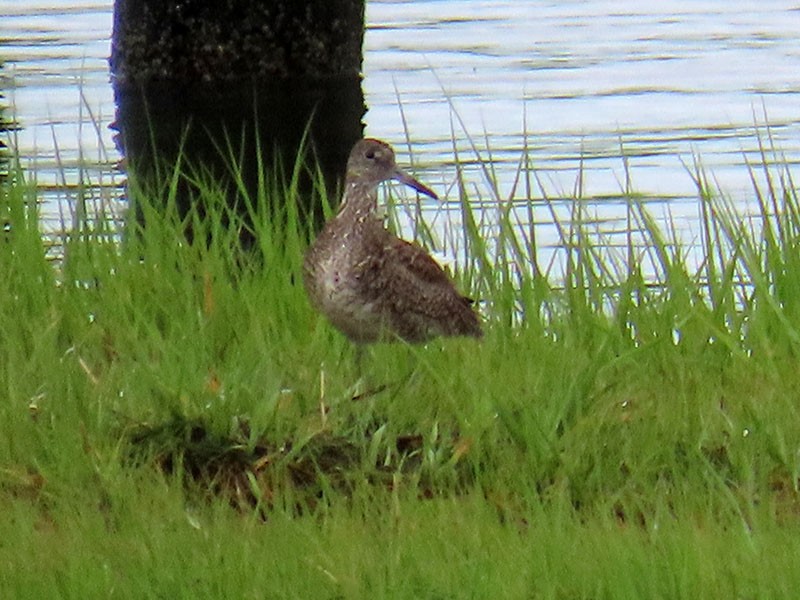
(220, 40)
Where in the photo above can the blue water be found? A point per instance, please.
(577, 83)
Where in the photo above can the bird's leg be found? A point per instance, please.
(361, 389)
(360, 360)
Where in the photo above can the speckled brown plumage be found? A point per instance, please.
(372, 285)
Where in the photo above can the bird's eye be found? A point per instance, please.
(370, 154)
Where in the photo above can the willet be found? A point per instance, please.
(369, 283)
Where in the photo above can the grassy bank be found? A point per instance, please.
(176, 421)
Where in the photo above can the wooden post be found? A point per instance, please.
(200, 76)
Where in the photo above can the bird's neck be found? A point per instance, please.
(360, 201)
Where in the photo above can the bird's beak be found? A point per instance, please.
(403, 177)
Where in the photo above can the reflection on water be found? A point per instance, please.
(576, 85)
(4, 128)
(238, 132)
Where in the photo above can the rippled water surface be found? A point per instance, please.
(577, 83)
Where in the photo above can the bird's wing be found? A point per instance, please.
(414, 292)
(414, 281)
(408, 264)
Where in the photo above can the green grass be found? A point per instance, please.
(176, 421)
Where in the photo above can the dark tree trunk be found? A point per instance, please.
(199, 77)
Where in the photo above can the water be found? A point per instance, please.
(578, 83)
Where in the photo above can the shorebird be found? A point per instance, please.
(370, 284)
